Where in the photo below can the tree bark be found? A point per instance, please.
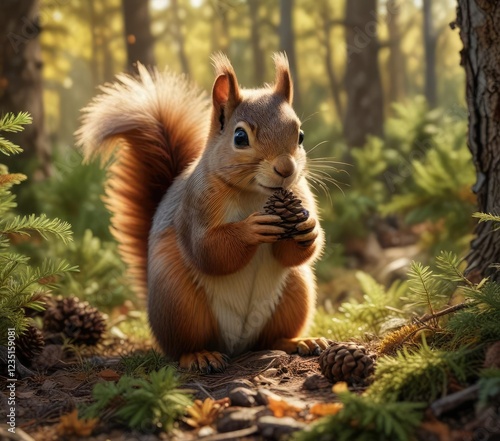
(258, 55)
(21, 81)
(395, 61)
(220, 27)
(479, 22)
(364, 113)
(333, 82)
(179, 37)
(430, 41)
(138, 37)
(287, 44)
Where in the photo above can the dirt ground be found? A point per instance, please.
(272, 395)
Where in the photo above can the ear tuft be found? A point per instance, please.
(226, 93)
(283, 85)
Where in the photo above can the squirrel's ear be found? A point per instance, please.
(283, 85)
(225, 92)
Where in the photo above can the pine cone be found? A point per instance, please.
(29, 344)
(285, 204)
(78, 320)
(347, 362)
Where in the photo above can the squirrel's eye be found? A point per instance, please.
(241, 138)
(301, 137)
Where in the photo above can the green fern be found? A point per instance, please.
(102, 277)
(422, 374)
(480, 322)
(22, 286)
(12, 123)
(488, 217)
(357, 320)
(144, 404)
(428, 290)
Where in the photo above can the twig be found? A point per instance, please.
(454, 308)
(455, 400)
(237, 434)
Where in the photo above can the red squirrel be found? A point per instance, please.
(186, 191)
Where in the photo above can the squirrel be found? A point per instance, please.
(186, 187)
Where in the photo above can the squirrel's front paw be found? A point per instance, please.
(204, 361)
(307, 232)
(262, 228)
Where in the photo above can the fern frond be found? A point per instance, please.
(422, 374)
(141, 403)
(41, 224)
(449, 264)
(429, 290)
(8, 147)
(488, 217)
(10, 179)
(14, 123)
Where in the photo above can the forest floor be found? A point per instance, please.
(272, 395)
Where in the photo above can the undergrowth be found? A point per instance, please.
(450, 321)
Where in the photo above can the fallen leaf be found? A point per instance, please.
(340, 387)
(323, 409)
(281, 408)
(109, 375)
(204, 413)
(70, 424)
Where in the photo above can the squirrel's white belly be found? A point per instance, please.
(244, 301)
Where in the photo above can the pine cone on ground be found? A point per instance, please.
(349, 362)
(285, 204)
(78, 320)
(29, 344)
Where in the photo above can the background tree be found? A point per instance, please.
(327, 23)
(364, 113)
(21, 79)
(395, 61)
(259, 64)
(430, 41)
(479, 24)
(140, 41)
(287, 44)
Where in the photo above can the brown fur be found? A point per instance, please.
(134, 114)
(292, 314)
(202, 231)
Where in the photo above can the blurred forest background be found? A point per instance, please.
(378, 86)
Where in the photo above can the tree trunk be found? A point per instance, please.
(430, 41)
(138, 37)
(258, 55)
(364, 113)
(333, 82)
(179, 37)
(21, 81)
(287, 44)
(395, 61)
(220, 27)
(479, 22)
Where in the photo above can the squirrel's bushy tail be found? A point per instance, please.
(153, 126)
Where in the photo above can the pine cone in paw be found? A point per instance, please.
(347, 362)
(285, 204)
(78, 320)
(29, 344)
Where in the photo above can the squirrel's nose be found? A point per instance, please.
(284, 166)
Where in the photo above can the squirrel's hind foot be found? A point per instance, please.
(302, 346)
(204, 361)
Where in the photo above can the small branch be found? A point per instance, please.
(238, 434)
(455, 400)
(451, 309)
